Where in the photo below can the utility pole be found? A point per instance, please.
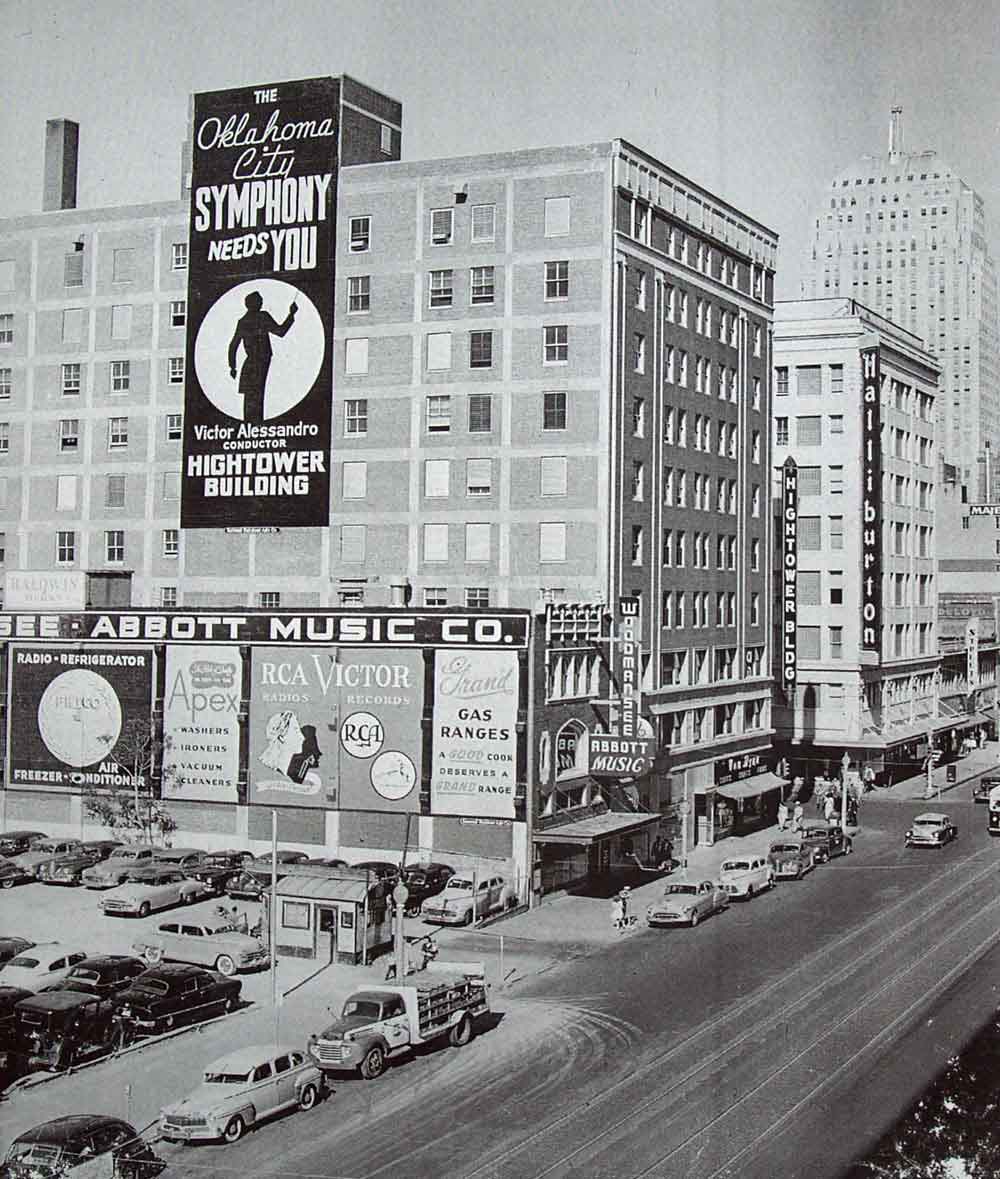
(845, 767)
(929, 788)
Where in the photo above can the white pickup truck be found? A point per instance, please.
(382, 1021)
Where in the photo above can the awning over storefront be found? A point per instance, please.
(751, 787)
(594, 828)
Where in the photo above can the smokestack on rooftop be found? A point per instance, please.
(62, 143)
(895, 132)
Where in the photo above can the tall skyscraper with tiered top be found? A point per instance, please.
(904, 234)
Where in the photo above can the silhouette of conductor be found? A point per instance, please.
(254, 330)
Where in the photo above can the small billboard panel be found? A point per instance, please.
(201, 723)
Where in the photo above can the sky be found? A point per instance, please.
(760, 101)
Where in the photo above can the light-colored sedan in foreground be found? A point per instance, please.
(152, 888)
(686, 902)
(212, 943)
(241, 1089)
(931, 829)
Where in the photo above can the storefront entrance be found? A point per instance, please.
(326, 933)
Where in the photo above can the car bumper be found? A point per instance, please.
(789, 870)
(918, 841)
(442, 917)
(737, 890)
(336, 1055)
(189, 1133)
(653, 919)
(120, 908)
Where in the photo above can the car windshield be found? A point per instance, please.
(77, 974)
(679, 889)
(140, 878)
(459, 884)
(45, 845)
(363, 1007)
(784, 847)
(25, 963)
(226, 1078)
(927, 823)
(33, 1152)
(152, 986)
(735, 865)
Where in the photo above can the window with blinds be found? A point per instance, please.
(73, 269)
(807, 642)
(808, 582)
(810, 481)
(809, 533)
(807, 380)
(808, 431)
(478, 476)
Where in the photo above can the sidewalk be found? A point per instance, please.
(967, 768)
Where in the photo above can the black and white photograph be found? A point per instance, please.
(499, 590)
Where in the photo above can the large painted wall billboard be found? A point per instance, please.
(337, 728)
(474, 734)
(201, 723)
(259, 385)
(68, 710)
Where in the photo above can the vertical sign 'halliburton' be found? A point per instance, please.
(871, 499)
(259, 382)
(789, 573)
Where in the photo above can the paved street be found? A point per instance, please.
(668, 1052)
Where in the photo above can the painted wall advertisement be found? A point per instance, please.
(871, 500)
(201, 723)
(69, 710)
(259, 385)
(336, 728)
(475, 733)
(789, 574)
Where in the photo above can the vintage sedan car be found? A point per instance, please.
(115, 869)
(10, 947)
(41, 966)
(931, 829)
(254, 880)
(825, 840)
(466, 899)
(981, 790)
(242, 1089)
(103, 849)
(217, 870)
(11, 874)
(790, 858)
(155, 887)
(206, 943)
(9, 999)
(746, 876)
(423, 881)
(12, 843)
(68, 867)
(686, 902)
(174, 993)
(184, 859)
(58, 1029)
(380, 869)
(42, 850)
(60, 1146)
(103, 975)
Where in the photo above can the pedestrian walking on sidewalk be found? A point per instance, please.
(782, 815)
(829, 808)
(798, 815)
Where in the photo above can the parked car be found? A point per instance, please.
(746, 876)
(42, 850)
(825, 840)
(58, 1029)
(174, 993)
(42, 965)
(205, 943)
(686, 902)
(240, 1090)
(57, 1147)
(254, 881)
(218, 870)
(12, 843)
(184, 859)
(103, 849)
(423, 881)
(115, 869)
(791, 858)
(9, 999)
(11, 874)
(981, 790)
(10, 947)
(380, 869)
(68, 867)
(286, 855)
(332, 862)
(931, 829)
(466, 899)
(103, 975)
(155, 887)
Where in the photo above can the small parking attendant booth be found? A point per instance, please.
(332, 918)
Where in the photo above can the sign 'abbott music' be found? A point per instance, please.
(259, 382)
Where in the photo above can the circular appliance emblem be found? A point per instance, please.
(361, 734)
(80, 717)
(393, 775)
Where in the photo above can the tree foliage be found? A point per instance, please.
(131, 810)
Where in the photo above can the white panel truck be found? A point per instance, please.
(380, 1022)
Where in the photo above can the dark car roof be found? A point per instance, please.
(57, 1000)
(11, 995)
(22, 943)
(62, 1131)
(23, 834)
(373, 864)
(103, 961)
(434, 866)
(174, 970)
(176, 853)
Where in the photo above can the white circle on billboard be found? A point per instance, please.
(79, 717)
(361, 734)
(295, 357)
(393, 775)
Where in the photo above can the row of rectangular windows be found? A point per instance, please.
(675, 433)
(441, 287)
(555, 350)
(675, 492)
(673, 609)
(692, 726)
(119, 377)
(674, 549)
(122, 266)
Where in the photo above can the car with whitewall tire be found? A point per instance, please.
(743, 877)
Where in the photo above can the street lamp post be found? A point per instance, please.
(845, 765)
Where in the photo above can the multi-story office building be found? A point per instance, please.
(905, 235)
(551, 381)
(854, 407)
